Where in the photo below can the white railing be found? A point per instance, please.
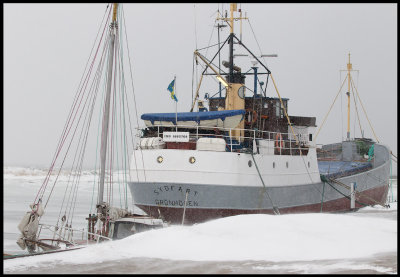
(69, 234)
(285, 143)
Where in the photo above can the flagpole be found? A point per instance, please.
(176, 105)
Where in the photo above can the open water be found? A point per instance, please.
(360, 242)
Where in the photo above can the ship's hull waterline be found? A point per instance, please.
(199, 202)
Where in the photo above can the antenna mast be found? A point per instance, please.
(230, 20)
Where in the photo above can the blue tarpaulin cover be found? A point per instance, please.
(191, 116)
(335, 169)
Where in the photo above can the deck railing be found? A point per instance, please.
(279, 143)
(70, 235)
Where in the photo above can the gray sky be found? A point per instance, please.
(46, 47)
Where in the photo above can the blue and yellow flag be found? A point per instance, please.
(171, 89)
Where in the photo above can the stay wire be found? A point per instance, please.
(123, 121)
(362, 106)
(120, 136)
(98, 135)
(134, 99)
(59, 144)
(82, 146)
(94, 92)
(67, 127)
(122, 117)
(259, 48)
(77, 124)
(358, 116)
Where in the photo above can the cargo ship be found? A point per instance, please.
(245, 154)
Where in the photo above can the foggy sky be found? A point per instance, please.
(46, 47)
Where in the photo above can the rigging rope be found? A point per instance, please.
(134, 100)
(291, 128)
(391, 153)
(59, 144)
(274, 208)
(259, 48)
(358, 116)
(102, 61)
(123, 124)
(76, 169)
(122, 145)
(81, 145)
(66, 128)
(123, 95)
(283, 107)
(210, 38)
(352, 83)
(80, 117)
(319, 129)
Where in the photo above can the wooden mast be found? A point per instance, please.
(106, 114)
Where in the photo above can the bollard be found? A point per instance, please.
(352, 196)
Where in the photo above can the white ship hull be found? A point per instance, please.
(221, 184)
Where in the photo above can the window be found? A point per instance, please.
(277, 108)
(287, 164)
(310, 137)
(273, 165)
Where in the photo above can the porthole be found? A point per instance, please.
(192, 160)
(273, 164)
(160, 159)
(250, 163)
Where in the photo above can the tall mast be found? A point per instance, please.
(106, 115)
(230, 20)
(232, 8)
(233, 100)
(349, 68)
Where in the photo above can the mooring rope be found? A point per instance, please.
(328, 180)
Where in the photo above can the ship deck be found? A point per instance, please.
(336, 169)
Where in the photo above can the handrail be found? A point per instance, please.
(213, 128)
(49, 227)
(280, 139)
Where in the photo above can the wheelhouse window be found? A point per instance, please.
(277, 108)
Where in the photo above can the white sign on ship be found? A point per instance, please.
(176, 136)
